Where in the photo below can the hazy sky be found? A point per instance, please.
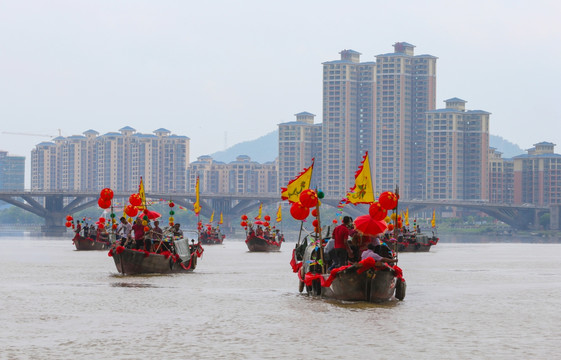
(223, 72)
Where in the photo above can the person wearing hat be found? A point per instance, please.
(341, 249)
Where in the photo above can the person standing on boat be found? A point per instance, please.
(124, 230)
(138, 229)
(177, 232)
(341, 250)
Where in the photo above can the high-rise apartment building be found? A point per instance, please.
(457, 153)
(12, 171)
(348, 116)
(115, 159)
(377, 107)
(299, 143)
(405, 90)
(501, 178)
(537, 176)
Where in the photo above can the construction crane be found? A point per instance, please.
(31, 134)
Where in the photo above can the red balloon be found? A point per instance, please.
(299, 211)
(135, 200)
(131, 210)
(377, 211)
(104, 204)
(106, 194)
(388, 200)
(308, 198)
(267, 218)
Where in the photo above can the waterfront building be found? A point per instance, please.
(537, 176)
(501, 178)
(116, 160)
(457, 153)
(12, 171)
(242, 176)
(377, 107)
(405, 90)
(348, 117)
(299, 143)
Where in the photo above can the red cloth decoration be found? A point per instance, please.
(110, 253)
(119, 249)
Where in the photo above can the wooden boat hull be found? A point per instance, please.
(370, 286)
(131, 262)
(259, 244)
(83, 243)
(413, 247)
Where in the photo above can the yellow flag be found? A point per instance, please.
(211, 217)
(197, 204)
(142, 194)
(407, 217)
(302, 182)
(258, 217)
(221, 218)
(279, 214)
(433, 221)
(362, 192)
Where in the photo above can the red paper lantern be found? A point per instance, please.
(315, 212)
(68, 224)
(334, 221)
(243, 223)
(135, 200)
(388, 200)
(267, 218)
(299, 211)
(171, 204)
(390, 227)
(266, 224)
(244, 217)
(377, 211)
(106, 194)
(308, 198)
(131, 210)
(102, 219)
(146, 229)
(104, 204)
(100, 226)
(69, 218)
(114, 226)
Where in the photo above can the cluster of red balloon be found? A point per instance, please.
(244, 221)
(379, 209)
(301, 209)
(105, 197)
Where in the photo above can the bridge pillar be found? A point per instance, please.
(554, 214)
(54, 217)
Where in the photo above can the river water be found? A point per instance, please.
(464, 301)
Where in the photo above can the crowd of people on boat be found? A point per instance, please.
(266, 233)
(348, 246)
(136, 235)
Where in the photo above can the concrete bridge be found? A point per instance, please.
(53, 206)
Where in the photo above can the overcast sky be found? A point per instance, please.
(224, 72)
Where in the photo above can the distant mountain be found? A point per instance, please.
(266, 148)
(261, 150)
(508, 149)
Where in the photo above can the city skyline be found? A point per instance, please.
(224, 73)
